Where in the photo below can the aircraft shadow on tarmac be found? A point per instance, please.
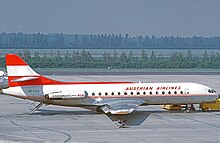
(136, 118)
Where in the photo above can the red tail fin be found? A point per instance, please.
(21, 74)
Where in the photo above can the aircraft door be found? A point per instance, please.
(186, 91)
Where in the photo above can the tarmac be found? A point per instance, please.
(67, 124)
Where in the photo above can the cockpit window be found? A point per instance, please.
(211, 91)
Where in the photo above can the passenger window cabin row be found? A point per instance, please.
(138, 93)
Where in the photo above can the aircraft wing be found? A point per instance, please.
(121, 106)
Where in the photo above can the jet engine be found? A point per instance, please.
(67, 95)
(3, 80)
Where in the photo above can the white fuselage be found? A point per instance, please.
(100, 94)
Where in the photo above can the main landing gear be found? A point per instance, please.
(121, 124)
(33, 107)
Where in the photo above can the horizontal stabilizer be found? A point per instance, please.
(24, 79)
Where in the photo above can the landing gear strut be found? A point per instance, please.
(35, 107)
(189, 108)
(121, 124)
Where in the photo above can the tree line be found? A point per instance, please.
(84, 59)
(103, 41)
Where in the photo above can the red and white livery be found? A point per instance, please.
(109, 97)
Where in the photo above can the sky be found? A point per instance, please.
(184, 18)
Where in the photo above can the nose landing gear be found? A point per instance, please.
(189, 108)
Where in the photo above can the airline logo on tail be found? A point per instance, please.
(21, 74)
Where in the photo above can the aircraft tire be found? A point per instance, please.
(118, 125)
(206, 109)
(99, 110)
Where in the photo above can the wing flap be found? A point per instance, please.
(121, 106)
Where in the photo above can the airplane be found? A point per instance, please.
(115, 98)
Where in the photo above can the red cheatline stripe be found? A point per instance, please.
(14, 60)
(46, 81)
(42, 98)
